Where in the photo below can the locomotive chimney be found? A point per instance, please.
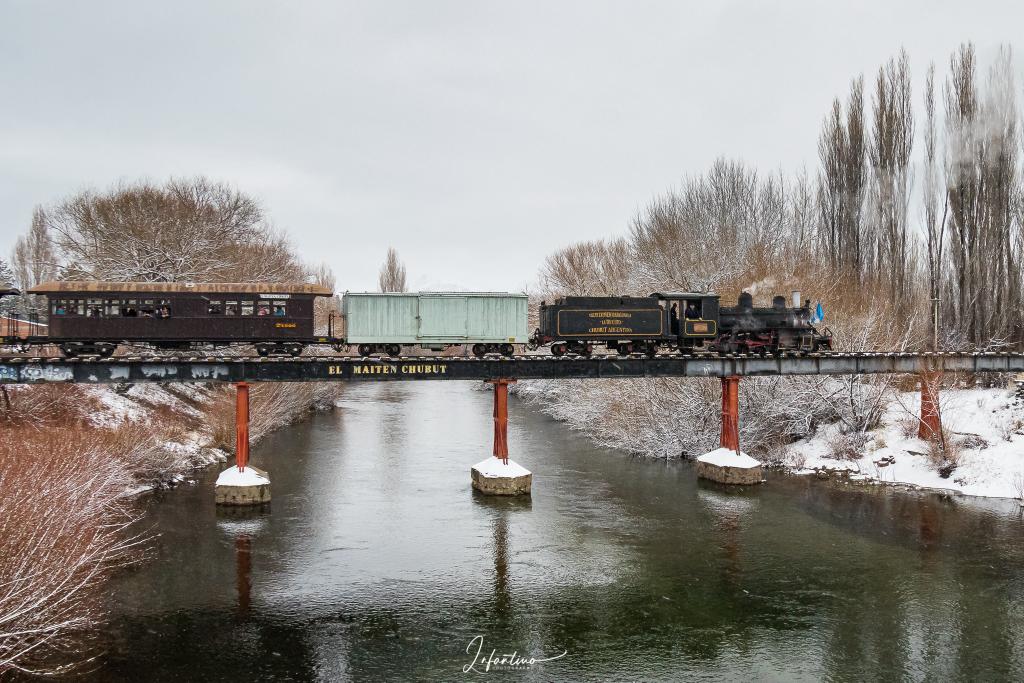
(796, 298)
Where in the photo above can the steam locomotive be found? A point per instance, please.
(682, 321)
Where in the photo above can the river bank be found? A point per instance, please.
(807, 427)
(984, 453)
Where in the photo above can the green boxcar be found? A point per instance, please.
(435, 318)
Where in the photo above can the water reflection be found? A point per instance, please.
(378, 562)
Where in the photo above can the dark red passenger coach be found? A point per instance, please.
(94, 317)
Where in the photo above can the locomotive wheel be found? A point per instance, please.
(558, 350)
(295, 350)
(262, 350)
(365, 350)
(507, 350)
(625, 348)
(394, 350)
(479, 350)
(651, 350)
(106, 350)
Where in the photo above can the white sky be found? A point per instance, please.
(476, 137)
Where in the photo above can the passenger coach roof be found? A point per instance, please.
(55, 287)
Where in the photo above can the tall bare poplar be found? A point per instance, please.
(982, 140)
(891, 143)
(34, 260)
(934, 203)
(842, 183)
(392, 273)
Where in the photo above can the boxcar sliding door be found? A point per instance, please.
(443, 318)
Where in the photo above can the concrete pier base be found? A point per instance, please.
(725, 466)
(495, 478)
(249, 487)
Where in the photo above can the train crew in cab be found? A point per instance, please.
(673, 316)
(692, 313)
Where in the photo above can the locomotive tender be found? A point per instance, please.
(94, 318)
(677, 320)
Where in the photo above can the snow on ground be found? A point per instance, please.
(987, 427)
(145, 403)
(726, 457)
(115, 408)
(494, 467)
(134, 404)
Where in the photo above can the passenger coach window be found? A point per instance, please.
(130, 308)
(215, 307)
(70, 307)
(280, 308)
(95, 308)
(111, 307)
(231, 308)
(247, 307)
(263, 308)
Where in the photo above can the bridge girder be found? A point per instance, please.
(21, 370)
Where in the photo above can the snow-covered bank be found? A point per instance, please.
(159, 433)
(986, 430)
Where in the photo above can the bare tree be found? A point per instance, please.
(982, 140)
(891, 142)
(842, 185)
(935, 206)
(392, 273)
(714, 231)
(34, 260)
(596, 268)
(184, 230)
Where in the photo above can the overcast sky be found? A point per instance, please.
(475, 137)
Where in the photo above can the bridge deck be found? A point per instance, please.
(21, 370)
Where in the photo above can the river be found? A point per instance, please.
(376, 561)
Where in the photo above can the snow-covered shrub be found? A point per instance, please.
(849, 446)
(945, 454)
(64, 523)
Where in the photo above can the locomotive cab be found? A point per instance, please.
(693, 316)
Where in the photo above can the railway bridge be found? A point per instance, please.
(240, 370)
